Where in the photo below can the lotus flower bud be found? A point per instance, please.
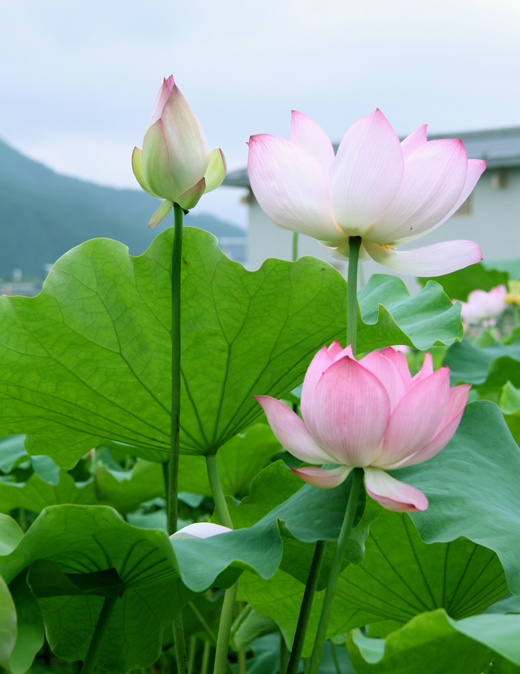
(175, 164)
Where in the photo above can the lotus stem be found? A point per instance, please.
(173, 466)
(305, 610)
(295, 238)
(226, 616)
(97, 638)
(335, 569)
(283, 655)
(354, 243)
(205, 658)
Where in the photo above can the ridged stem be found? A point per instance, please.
(305, 610)
(107, 609)
(335, 569)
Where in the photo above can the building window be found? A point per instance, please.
(466, 208)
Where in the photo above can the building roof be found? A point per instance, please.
(499, 147)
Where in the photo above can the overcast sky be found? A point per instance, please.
(78, 79)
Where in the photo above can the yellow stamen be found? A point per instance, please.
(387, 246)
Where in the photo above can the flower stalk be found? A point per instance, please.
(335, 569)
(226, 616)
(173, 466)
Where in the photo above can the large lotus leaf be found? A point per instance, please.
(36, 494)
(435, 643)
(473, 486)
(483, 276)
(489, 368)
(89, 539)
(399, 577)
(88, 358)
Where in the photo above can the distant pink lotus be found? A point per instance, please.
(371, 414)
(484, 307)
(385, 191)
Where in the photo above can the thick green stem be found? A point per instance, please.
(97, 638)
(335, 569)
(173, 466)
(305, 610)
(295, 238)
(217, 493)
(224, 630)
(354, 243)
(180, 645)
(283, 655)
(226, 616)
(335, 658)
(205, 658)
(193, 651)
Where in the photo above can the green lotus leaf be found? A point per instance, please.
(435, 643)
(398, 578)
(88, 359)
(488, 368)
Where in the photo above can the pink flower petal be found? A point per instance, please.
(350, 412)
(187, 145)
(457, 399)
(199, 530)
(336, 348)
(393, 494)
(324, 478)
(312, 138)
(156, 164)
(436, 260)
(291, 187)
(321, 361)
(399, 360)
(162, 97)
(416, 419)
(388, 374)
(415, 139)
(366, 174)
(291, 432)
(426, 369)
(434, 177)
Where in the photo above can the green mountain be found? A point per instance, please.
(43, 214)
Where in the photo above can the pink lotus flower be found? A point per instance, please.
(199, 530)
(377, 188)
(371, 414)
(483, 307)
(175, 163)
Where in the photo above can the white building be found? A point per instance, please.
(491, 215)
